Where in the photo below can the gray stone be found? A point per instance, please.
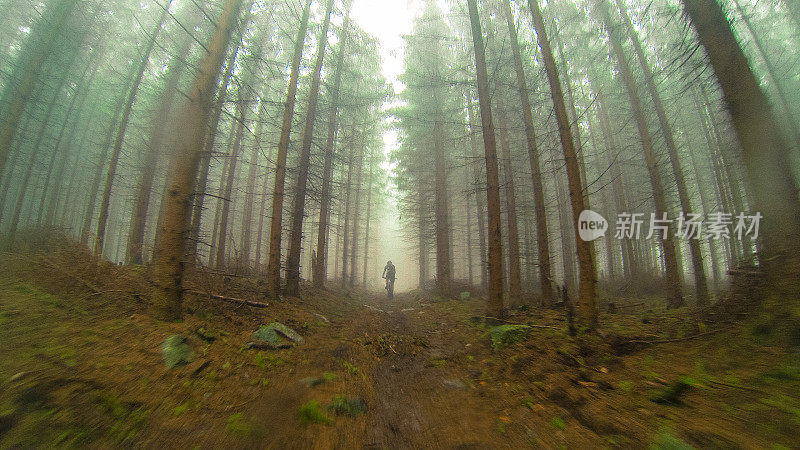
(455, 383)
(312, 381)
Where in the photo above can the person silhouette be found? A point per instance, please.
(389, 274)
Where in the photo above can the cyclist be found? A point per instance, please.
(389, 276)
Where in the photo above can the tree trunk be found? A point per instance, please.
(764, 152)
(442, 225)
(668, 246)
(542, 236)
(345, 234)
(135, 248)
(75, 107)
(105, 149)
(514, 271)
(120, 139)
(356, 211)
(611, 256)
(223, 181)
(34, 153)
(705, 204)
(208, 149)
(227, 195)
(495, 294)
(587, 311)
(321, 268)
(20, 83)
(67, 206)
(701, 285)
(262, 207)
(250, 199)
(191, 128)
(630, 268)
(479, 200)
(728, 178)
(299, 202)
(367, 221)
(274, 264)
(776, 80)
(422, 237)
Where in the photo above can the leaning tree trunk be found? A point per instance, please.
(299, 202)
(494, 302)
(668, 245)
(587, 311)
(764, 152)
(81, 95)
(701, 285)
(777, 81)
(105, 149)
(120, 139)
(321, 267)
(170, 258)
(19, 86)
(728, 178)
(135, 253)
(274, 264)
(208, 149)
(34, 153)
(543, 246)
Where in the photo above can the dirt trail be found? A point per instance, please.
(419, 402)
(402, 381)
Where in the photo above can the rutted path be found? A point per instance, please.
(419, 401)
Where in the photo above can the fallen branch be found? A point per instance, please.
(229, 299)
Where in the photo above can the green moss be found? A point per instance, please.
(557, 423)
(236, 425)
(505, 335)
(311, 413)
(350, 368)
(666, 440)
(438, 362)
(128, 422)
(180, 409)
(626, 386)
(267, 361)
(347, 406)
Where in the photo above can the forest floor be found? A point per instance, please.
(82, 366)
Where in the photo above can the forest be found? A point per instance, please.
(400, 224)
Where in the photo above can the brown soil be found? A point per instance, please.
(82, 367)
